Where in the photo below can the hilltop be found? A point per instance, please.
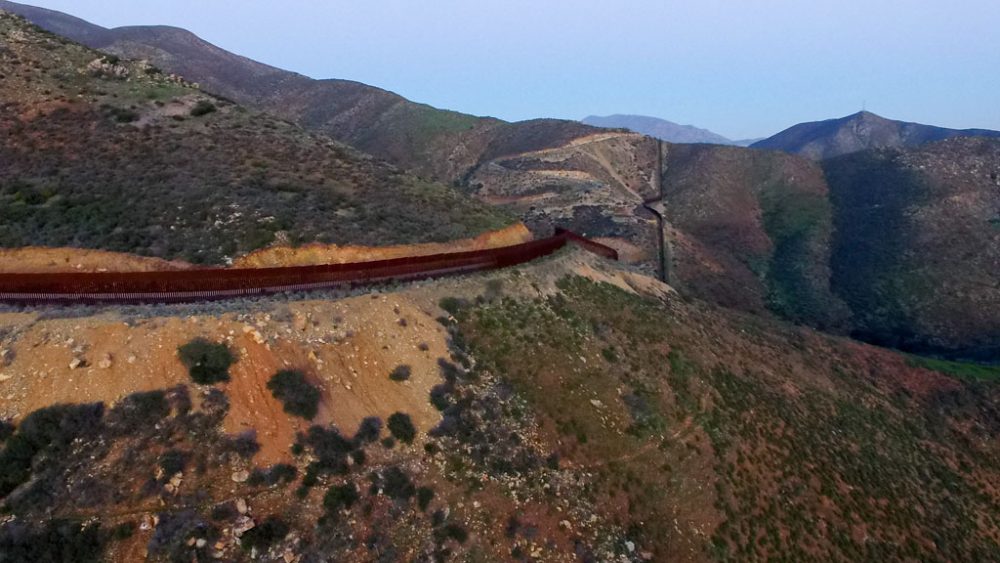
(819, 140)
(658, 128)
(111, 154)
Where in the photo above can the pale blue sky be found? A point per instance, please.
(743, 68)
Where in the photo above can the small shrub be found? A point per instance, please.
(368, 431)
(456, 532)
(207, 362)
(453, 305)
(203, 107)
(424, 497)
(56, 540)
(439, 396)
(6, 430)
(300, 398)
(401, 427)
(124, 531)
(401, 373)
(245, 445)
(172, 462)
(396, 484)
(340, 497)
(264, 535)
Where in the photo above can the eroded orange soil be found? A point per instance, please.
(45, 260)
(42, 260)
(347, 348)
(313, 254)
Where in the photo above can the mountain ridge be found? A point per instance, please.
(659, 128)
(828, 138)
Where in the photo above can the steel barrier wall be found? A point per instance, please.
(220, 283)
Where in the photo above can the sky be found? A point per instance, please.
(742, 68)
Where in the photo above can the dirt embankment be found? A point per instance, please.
(52, 260)
(314, 254)
(346, 348)
(44, 260)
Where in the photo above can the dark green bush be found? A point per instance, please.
(453, 305)
(6, 430)
(368, 431)
(172, 462)
(340, 496)
(124, 530)
(137, 411)
(402, 427)
(424, 497)
(56, 540)
(401, 373)
(396, 484)
(456, 532)
(265, 534)
(299, 397)
(207, 362)
(50, 430)
(203, 107)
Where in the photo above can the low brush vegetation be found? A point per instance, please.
(207, 362)
(299, 397)
(721, 443)
(112, 165)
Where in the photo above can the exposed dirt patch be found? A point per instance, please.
(45, 260)
(313, 254)
(347, 348)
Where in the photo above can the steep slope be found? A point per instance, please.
(756, 229)
(658, 128)
(864, 130)
(751, 228)
(917, 252)
(114, 155)
(438, 144)
(566, 410)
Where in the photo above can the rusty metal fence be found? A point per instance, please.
(220, 283)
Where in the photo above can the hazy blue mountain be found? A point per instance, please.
(659, 128)
(864, 130)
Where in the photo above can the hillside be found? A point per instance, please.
(658, 128)
(752, 228)
(437, 144)
(562, 411)
(917, 255)
(819, 140)
(115, 155)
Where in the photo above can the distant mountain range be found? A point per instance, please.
(662, 129)
(820, 140)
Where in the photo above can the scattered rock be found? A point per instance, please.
(75, 363)
(241, 506)
(240, 476)
(243, 525)
(105, 362)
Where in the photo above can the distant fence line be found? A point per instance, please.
(222, 283)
